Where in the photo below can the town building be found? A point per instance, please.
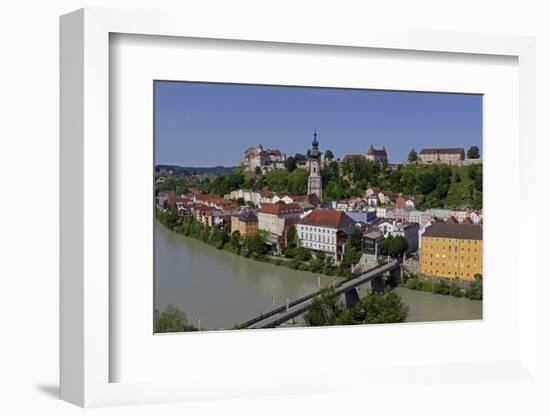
(377, 155)
(163, 198)
(315, 183)
(441, 213)
(325, 230)
(453, 251)
(246, 224)
(372, 245)
(265, 159)
(420, 217)
(449, 156)
(269, 216)
(460, 215)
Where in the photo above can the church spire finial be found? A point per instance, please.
(315, 143)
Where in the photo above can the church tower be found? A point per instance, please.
(315, 184)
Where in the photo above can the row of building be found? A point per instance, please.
(270, 159)
(448, 243)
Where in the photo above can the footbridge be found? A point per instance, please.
(347, 288)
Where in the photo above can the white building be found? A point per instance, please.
(270, 214)
(325, 230)
(267, 160)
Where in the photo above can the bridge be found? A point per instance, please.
(348, 288)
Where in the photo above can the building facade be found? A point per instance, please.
(246, 224)
(377, 155)
(325, 230)
(265, 159)
(448, 156)
(269, 216)
(314, 183)
(452, 251)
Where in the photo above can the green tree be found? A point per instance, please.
(395, 246)
(381, 308)
(475, 291)
(413, 156)
(473, 152)
(324, 309)
(258, 170)
(329, 155)
(290, 164)
(297, 182)
(171, 319)
(292, 236)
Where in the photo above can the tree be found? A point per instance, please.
(413, 156)
(171, 319)
(297, 182)
(329, 155)
(473, 152)
(475, 291)
(324, 309)
(353, 249)
(258, 170)
(292, 237)
(381, 308)
(375, 308)
(290, 164)
(394, 246)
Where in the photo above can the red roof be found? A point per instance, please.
(350, 157)
(451, 220)
(376, 152)
(444, 150)
(328, 218)
(281, 209)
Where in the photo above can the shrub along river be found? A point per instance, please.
(223, 289)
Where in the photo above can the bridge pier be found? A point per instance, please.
(377, 284)
(394, 277)
(351, 297)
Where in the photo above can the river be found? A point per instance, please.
(222, 289)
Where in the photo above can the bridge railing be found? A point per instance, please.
(302, 299)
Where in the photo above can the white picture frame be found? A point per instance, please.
(86, 356)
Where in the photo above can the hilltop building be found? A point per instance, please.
(377, 155)
(315, 183)
(448, 156)
(374, 155)
(452, 251)
(266, 159)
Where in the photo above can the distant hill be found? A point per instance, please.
(188, 170)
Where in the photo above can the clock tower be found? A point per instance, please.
(315, 184)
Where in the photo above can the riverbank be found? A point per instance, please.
(473, 292)
(255, 248)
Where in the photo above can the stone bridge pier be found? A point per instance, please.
(394, 277)
(351, 297)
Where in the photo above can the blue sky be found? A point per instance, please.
(202, 124)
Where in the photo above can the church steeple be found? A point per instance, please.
(315, 185)
(315, 146)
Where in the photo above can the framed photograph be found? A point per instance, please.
(244, 207)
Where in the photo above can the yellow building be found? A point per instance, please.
(246, 224)
(452, 251)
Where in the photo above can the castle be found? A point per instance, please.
(267, 160)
